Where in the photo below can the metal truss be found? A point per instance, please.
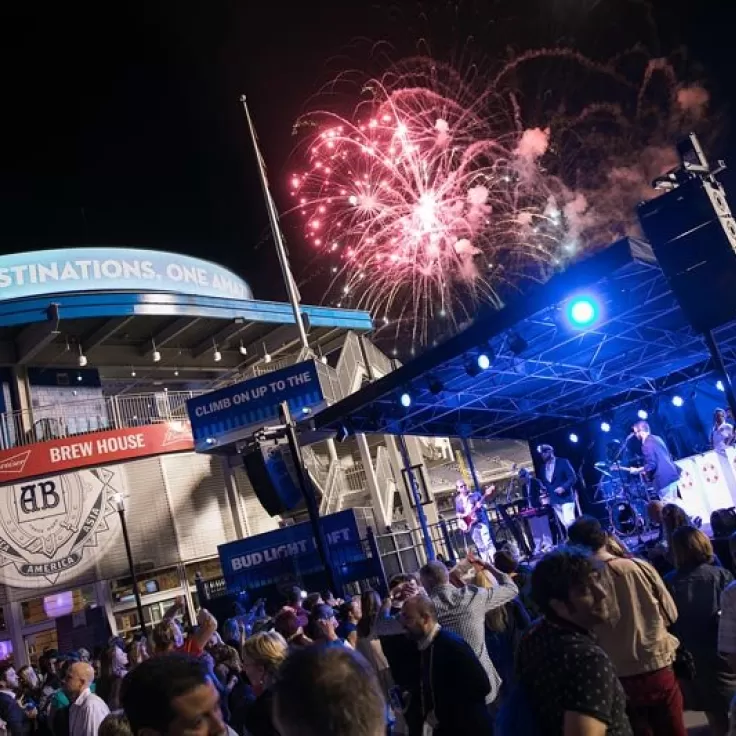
(642, 346)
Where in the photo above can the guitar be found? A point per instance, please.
(465, 523)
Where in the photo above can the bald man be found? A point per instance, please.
(87, 710)
(451, 683)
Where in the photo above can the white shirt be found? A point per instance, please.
(720, 435)
(549, 469)
(86, 714)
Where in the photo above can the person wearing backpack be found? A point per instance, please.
(568, 682)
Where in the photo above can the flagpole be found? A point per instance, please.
(291, 290)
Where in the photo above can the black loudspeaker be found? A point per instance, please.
(273, 476)
(693, 236)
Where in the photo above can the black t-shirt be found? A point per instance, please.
(561, 669)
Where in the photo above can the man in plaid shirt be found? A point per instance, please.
(461, 610)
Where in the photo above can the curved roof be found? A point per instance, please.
(115, 304)
(75, 270)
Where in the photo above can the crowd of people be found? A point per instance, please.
(590, 640)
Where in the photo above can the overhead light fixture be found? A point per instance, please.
(677, 400)
(435, 385)
(574, 438)
(643, 414)
(266, 355)
(517, 344)
(605, 427)
(719, 385)
(405, 400)
(79, 377)
(582, 311)
(242, 349)
(176, 371)
(216, 354)
(132, 373)
(155, 355)
(82, 360)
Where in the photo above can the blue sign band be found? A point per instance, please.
(265, 558)
(253, 402)
(47, 272)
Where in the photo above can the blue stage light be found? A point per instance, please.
(484, 361)
(573, 438)
(677, 401)
(605, 427)
(582, 311)
(719, 385)
(405, 400)
(643, 414)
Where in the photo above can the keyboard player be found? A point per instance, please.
(540, 526)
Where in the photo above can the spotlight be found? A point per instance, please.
(306, 410)
(405, 400)
(582, 311)
(471, 367)
(82, 360)
(719, 385)
(435, 385)
(517, 344)
(484, 361)
(605, 427)
(574, 438)
(677, 401)
(643, 414)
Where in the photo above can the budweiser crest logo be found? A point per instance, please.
(47, 524)
(16, 463)
(177, 432)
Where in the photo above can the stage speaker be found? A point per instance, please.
(273, 476)
(693, 235)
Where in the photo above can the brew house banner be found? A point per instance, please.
(96, 448)
(52, 528)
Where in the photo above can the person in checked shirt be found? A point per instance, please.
(462, 610)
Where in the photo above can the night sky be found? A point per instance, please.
(122, 123)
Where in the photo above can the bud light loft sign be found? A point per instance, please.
(230, 414)
(114, 269)
(269, 558)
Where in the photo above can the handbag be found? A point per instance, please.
(684, 664)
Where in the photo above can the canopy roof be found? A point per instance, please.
(546, 375)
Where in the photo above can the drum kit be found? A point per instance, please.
(626, 497)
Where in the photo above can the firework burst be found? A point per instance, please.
(434, 197)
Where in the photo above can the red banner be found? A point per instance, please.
(96, 448)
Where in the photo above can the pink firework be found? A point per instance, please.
(426, 200)
(442, 191)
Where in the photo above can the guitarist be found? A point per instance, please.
(469, 508)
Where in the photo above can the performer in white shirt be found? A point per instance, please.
(721, 436)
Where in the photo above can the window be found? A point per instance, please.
(47, 608)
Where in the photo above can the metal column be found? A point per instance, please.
(414, 488)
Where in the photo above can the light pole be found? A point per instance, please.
(120, 504)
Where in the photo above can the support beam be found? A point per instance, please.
(104, 333)
(33, 339)
(379, 508)
(274, 343)
(167, 334)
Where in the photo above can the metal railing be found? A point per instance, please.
(355, 478)
(68, 419)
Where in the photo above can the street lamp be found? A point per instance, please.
(120, 504)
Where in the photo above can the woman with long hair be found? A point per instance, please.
(263, 655)
(113, 664)
(696, 586)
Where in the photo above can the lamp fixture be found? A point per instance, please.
(216, 354)
(82, 357)
(156, 355)
(242, 349)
